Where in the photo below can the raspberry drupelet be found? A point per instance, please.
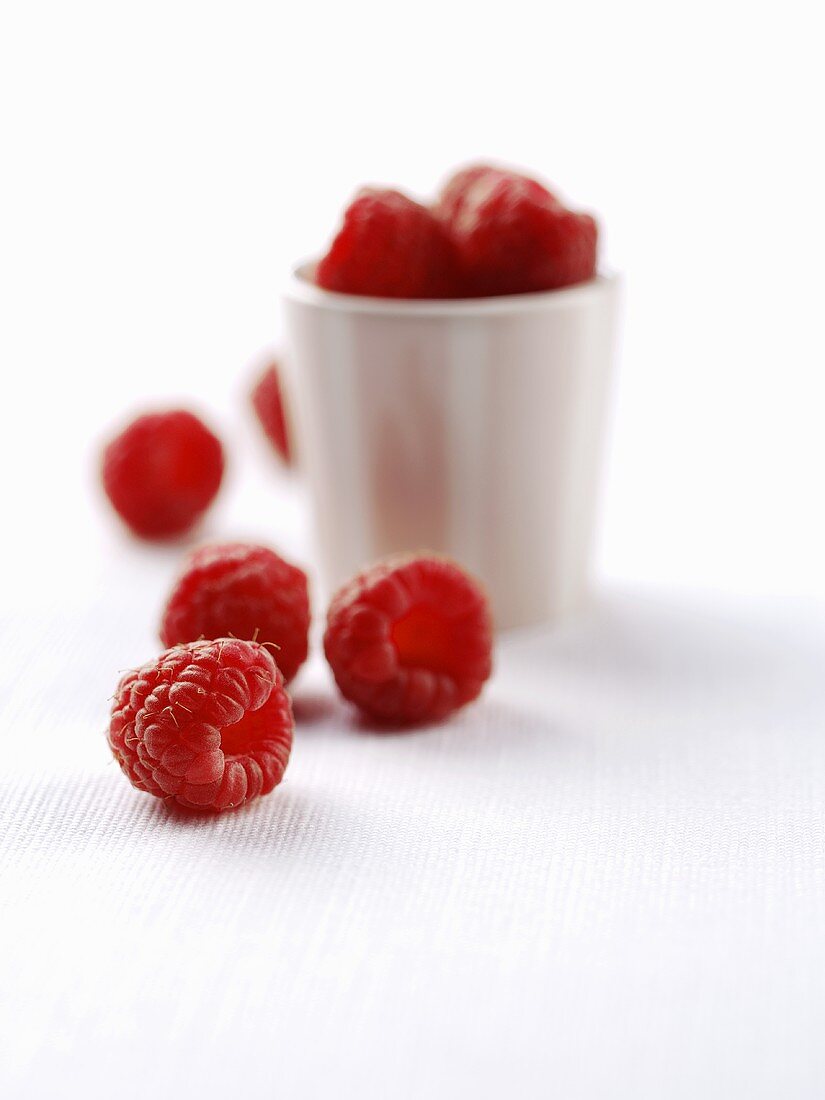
(268, 403)
(391, 247)
(162, 472)
(207, 725)
(243, 591)
(410, 640)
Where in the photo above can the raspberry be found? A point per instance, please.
(513, 236)
(207, 725)
(410, 640)
(162, 472)
(268, 402)
(241, 591)
(389, 247)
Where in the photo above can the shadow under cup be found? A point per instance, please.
(474, 428)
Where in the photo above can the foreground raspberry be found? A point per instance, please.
(513, 236)
(410, 640)
(208, 725)
(389, 247)
(241, 591)
(268, 402)
(162, 472)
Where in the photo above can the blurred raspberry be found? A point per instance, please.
(241, 591)
(513, 236)
(268, 402)
(162, 472)
(207, 725)
(389, 247)
(410, 640)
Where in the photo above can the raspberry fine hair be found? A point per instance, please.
(410, 639)
(207, 725)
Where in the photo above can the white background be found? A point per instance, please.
(607, 879)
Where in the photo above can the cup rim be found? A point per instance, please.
(301, 289)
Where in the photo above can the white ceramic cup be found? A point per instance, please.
(474, 428)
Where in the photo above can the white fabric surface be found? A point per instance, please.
(607, 879)
(604, 880)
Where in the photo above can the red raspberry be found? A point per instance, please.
(513, 236)
(241, 591)
(162, 472)
(410, 640)
(389, 247)
(268, 402)
(207, 725)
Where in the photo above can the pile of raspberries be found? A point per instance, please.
(490, 231)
